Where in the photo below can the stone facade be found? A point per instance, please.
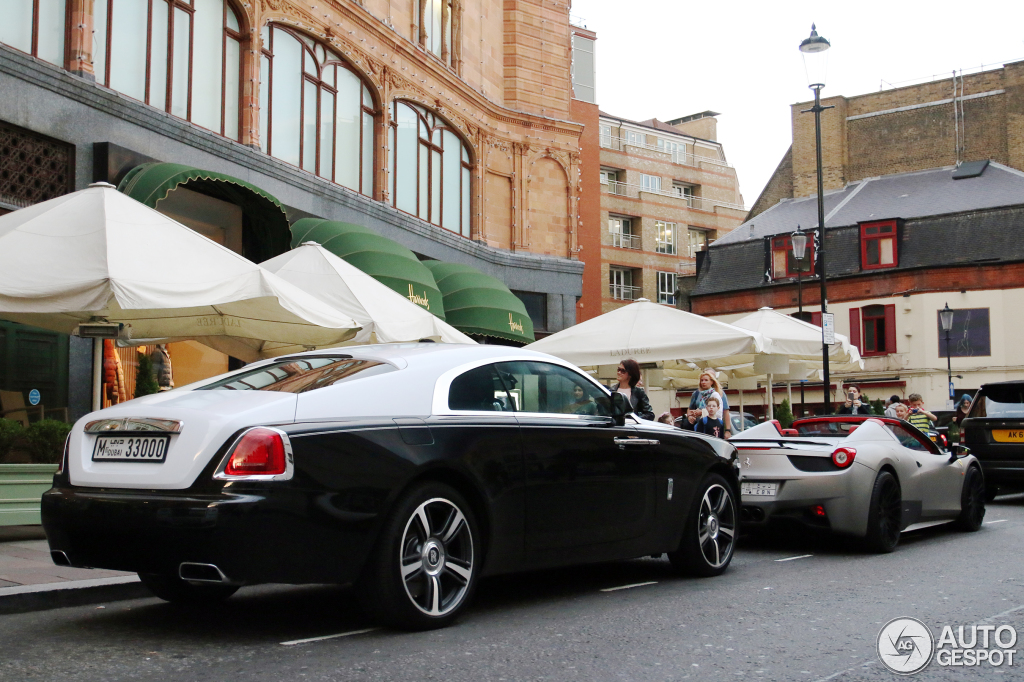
(903, 130)
(663, 174)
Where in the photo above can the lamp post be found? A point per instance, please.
(815, 54)
(798, 240)
(946, 320)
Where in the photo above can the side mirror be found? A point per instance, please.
(620, 408)
(958, 451)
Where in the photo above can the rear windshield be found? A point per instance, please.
(299, 375)
(999, 401)
(825, 428)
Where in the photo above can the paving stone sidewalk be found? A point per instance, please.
(29, 580)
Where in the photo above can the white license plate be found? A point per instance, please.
(130, 448)
(759, 489)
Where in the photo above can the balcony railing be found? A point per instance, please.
(626, 241)
(668, 248)
(700, 203)
(682, 158)
(623, 292)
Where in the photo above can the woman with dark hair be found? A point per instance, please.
(628, 372)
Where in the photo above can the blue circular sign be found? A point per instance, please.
(33, 396)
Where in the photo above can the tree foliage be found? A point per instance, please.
(145, 380)
(784, 414)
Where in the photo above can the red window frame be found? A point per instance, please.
(871, 236)
(864, 326)
(783, 243)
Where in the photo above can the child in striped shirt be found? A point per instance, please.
(919, 417)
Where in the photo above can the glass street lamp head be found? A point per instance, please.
(946, 318)
(799, 241)
(815, 53)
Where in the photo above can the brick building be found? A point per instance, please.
(444, 125)
(924, 199)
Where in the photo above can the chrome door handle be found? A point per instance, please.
(623, 442)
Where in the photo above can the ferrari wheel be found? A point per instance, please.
(885, 514)
(177, 591)
(711, 530)
(426, 562)
(972, 501)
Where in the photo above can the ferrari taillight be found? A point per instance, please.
(259, 452)
(843, 457)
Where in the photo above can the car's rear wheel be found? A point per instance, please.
(177, 591)
(711, 530)
(885, 514)
(972, 501)
(425, 565)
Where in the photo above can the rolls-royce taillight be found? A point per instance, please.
(64, 457)
(843, 457)
(260, 453)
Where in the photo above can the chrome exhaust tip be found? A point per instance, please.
(201, 573)
(60, 558)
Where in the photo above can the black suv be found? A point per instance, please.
(994, 431)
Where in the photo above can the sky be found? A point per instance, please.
(666, 59)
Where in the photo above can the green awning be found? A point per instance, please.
(480, 304)
(263, 214)
(385, 260)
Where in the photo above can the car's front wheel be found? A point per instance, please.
(972, 501)
(885, 514)
(177, 591)
(426, 561)
(711, 530)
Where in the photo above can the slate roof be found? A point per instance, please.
(944, 223)
(906, 195)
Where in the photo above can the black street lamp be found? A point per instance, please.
(946, 320)
(815, 53)
(798, 240)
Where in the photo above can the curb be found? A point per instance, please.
(27, 598)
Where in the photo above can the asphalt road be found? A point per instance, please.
(768, 618)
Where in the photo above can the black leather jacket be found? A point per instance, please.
(638, 399)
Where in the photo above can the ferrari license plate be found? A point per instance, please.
(130, 448)
(759, 489)
(1008, 435)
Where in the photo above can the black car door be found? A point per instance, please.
(589, 486)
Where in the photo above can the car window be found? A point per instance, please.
(999, 401)
(552, 389)
(301, 375)
(825, 427)
(479, 389)
(912, 439)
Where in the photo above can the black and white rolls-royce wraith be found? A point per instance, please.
(408, 470)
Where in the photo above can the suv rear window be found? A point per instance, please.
(999, 401)
(300, 375)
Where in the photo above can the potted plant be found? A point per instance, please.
(28, 460)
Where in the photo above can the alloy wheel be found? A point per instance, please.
(436, 557)
(716, 525)
(890, 507)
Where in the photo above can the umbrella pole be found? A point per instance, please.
(789, 395)
(771, 398)
(742, 411)
(97, 374)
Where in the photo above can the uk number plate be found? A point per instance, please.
(759, 489)
(130, 448)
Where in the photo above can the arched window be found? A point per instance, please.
(430, 168)
(315, 112)
(38, 27)
(142, 48)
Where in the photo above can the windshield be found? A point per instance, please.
(999, 401)
(299, 375)
(825, 428)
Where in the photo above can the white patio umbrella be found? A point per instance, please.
(649, 332)
(384, 315)
(98, 254)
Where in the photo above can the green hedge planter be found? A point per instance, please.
(21, 487)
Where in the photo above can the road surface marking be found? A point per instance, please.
(320, 639)
(996, 521)
(626, 587)
(794, 558)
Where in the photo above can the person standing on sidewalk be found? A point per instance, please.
(919, 417)
(628, 373)
(853, 405)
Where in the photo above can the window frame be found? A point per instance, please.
(859, 329)
(784, 242)
(648, 182)
(662, 277)
(34, 37)
(670, 246)
(873, 232)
